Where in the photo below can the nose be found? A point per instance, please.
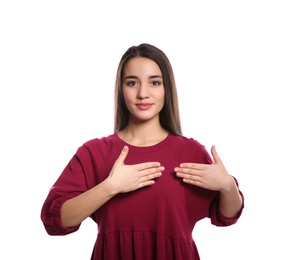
(143, 91)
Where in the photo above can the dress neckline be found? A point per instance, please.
(145, 148)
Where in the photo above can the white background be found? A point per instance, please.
(233, 63)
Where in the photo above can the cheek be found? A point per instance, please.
(125, 95)
(161, 99)
(161, 95)
(128, 98)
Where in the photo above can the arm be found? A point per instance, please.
(122, 178)
(75, 210)
(230, 200)
(214, 177)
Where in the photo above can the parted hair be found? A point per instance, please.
(169, 115)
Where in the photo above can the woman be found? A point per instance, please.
(145, 185)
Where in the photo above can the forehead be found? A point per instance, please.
(141, 66)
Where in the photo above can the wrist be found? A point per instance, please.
(109, 187)
(229, 186)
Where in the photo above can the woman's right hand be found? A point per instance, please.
(126, 178)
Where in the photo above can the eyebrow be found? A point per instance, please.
(135, 77)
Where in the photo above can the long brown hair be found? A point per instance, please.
(169, 115)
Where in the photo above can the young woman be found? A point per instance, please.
(145, 185)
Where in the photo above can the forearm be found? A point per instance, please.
(230, 200)
(77, 209)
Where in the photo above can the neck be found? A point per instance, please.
(143, 134)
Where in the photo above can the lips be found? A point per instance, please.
(144, 106)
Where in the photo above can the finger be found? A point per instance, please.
(147, 165)
(153, 170)
(192, 166)
(187, 174)
(190, 178)
(215, 155)
(146, 183)
(149, 179)
(154, 173)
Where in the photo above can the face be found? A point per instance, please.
(143, 89)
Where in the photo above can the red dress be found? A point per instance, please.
(154, 222)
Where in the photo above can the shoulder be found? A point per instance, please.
(190, 147)
(183, 141)
(101, 145)
(103, 141)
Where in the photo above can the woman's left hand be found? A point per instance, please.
(209, 176)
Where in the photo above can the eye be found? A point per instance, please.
(155, 83)
(131, 83)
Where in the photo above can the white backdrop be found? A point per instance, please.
(233, 63)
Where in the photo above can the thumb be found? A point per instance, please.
(215, 154)
(122, 156)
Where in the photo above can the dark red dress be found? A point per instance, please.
(151, 223)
